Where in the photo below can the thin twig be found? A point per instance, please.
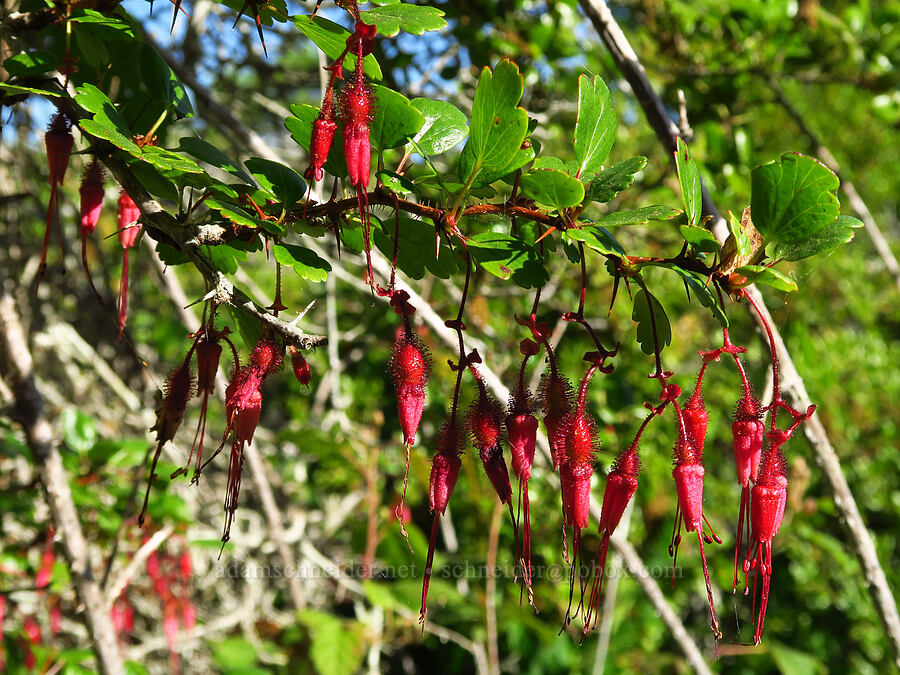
(862, 543)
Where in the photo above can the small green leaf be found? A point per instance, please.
(307, 264)
(445, 126)
(107, 123)
(29, 64)
(645, 324)
(596, 238)
(153, 180)
(552, 188)
(277, 179)
(416, 19)
(416, 248)
(793, 198)
(613, 180)
(169, 160)
(396, 121)
(689, 178)
(225, 258)
(742, 243)
(206, 152)
(498, 125)
(700, 238)
(638, 216)
(758, 274)
(595, 126)
(52, 93)
(332, 39)
(509, 258)
(826, 240)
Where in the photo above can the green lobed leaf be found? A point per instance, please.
(793, 198)
(700, 238)
(595, 126)
(498, 125)
(169, 160)
(332, 40)
(520, 159)
(306, 263)
(638, 216)
(613, 180)
(396, 120)
(689, 179)
(552, 188)
(507, 257)
(416, 19)
(28, 64)
(445, 126)
(826, 240)
(277, 179)
(416, 248)
(645, 324)
(107, 123)
(225, 258)
(596, 238)
(758, 274)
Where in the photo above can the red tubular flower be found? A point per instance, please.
(444, 473)
(769, 497)
(621, 484)
(748, 431)
(555, 395)
(322, 136)
(410, 369)
(688, 474)
(576, 467)
(300, 366)
(177, 392)
(59, 142)
(356, 112)
(127, 217)
(91, 192)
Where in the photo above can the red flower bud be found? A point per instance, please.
(300, 366)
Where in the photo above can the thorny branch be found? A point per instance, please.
(860, 537)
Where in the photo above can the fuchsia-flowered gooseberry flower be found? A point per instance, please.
(356, 110)
(322, 135)
(444, 472)
(177, 392)
(410, 369)
(521, 430)
(688, 474)
(127, 217)
(767, 504)
(34, 637)
(91, 192)
(59, 142)
(621, 484)
(576, 468)
(748, 431)
(300, 366)
(555, 395)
